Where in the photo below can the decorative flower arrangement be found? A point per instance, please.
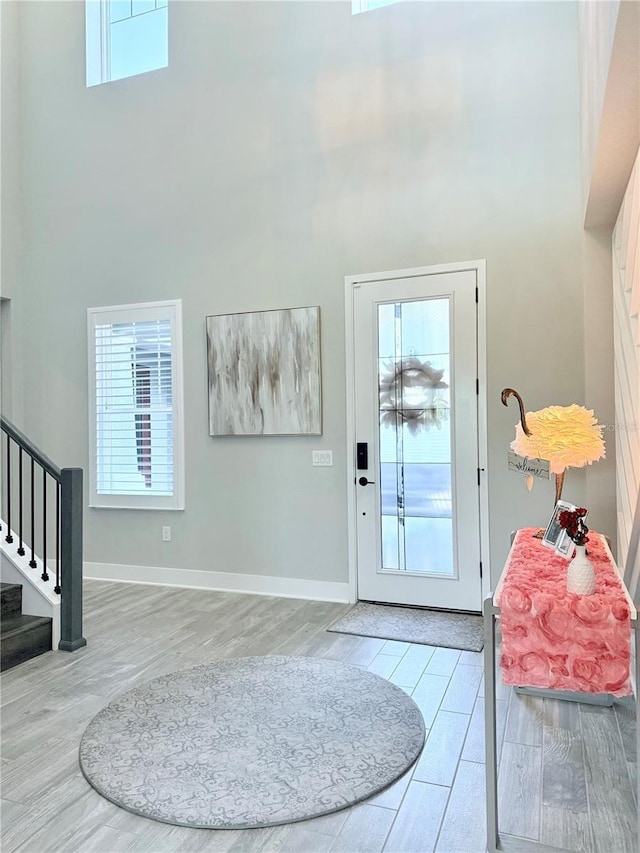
(573, 522)
(408, 391)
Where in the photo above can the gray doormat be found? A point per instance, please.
(412, 625)
(252, 742)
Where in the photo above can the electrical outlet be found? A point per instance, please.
(322, 457)
(166, 534)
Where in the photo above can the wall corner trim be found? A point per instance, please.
(219, 581)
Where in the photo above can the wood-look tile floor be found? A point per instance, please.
(567, 774)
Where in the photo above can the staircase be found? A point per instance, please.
(21, 637)
(40, 544)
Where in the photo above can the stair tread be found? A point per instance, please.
(10, 601)
(23, 638)
(19, 624)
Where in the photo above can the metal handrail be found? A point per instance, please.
(26, 444)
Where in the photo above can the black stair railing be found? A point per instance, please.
(52, 526)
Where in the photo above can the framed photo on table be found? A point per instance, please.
(556, 537)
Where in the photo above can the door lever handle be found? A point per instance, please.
(364, 482)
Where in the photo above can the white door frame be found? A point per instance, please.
(351, 283)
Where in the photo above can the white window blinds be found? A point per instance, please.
(136, 406)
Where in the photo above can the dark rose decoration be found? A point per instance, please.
(573, 523)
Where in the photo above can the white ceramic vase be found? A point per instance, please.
(581, 578)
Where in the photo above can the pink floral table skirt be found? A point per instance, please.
(552, 638)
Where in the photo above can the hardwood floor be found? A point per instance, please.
(567, 771)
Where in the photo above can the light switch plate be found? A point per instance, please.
(322, 457)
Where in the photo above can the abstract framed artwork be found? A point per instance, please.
(264, 372)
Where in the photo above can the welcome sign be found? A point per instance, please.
(530, 467)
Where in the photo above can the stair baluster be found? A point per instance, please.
(56, 588)
(21, 546)
(67, 521)
(44, 575)
(8, 537)
(32, 561)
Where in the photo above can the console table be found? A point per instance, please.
(532, 563)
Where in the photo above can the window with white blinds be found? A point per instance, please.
(135, 393)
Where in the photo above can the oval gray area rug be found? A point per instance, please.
(252, 742)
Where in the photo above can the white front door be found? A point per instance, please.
(416, 457)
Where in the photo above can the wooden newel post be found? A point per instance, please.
(71, 560)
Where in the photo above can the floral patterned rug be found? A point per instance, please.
(252, 742)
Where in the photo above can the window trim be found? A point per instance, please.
(98, 44)
(359, 7)
(169, 309)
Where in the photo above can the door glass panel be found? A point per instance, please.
(429, 545)
(386, 330)
(424, 327)
(415, 436)
(427, 491)
(390, 542)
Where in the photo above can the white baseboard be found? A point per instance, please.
(220, 581)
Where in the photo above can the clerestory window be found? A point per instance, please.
(135, 393)
(358, 6)
(125, 38)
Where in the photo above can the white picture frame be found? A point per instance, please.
(556, 537)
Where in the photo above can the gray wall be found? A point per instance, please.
(10, 214)
(286, 146)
